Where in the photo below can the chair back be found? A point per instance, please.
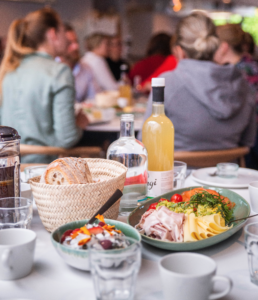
(93, 152)
(203, 159)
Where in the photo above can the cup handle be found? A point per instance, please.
(6, 259)
(225, 292)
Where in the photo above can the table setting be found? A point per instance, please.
(101, 228)
(105, 110)
(66, 282)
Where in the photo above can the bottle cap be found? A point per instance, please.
(158, 82)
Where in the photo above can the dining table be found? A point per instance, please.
(114, 125)
(52, 279)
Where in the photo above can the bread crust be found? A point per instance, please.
(84, 168)
(68, 170)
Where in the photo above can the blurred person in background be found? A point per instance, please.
(2, 47)
(97, 46)
(158, 60)
(86, 86)
(37, 92)
(237, 48)
(211, 106)
(248, 45)
(114, 58)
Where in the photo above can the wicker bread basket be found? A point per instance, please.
(58, 205)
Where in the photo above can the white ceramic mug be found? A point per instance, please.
(253, 192)
(17, 247)
(190, 276)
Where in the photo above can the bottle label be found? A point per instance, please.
(159, 183)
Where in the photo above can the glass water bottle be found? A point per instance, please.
(132, 153)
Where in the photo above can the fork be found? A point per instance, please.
(213, 174)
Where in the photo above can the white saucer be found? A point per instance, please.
(245, 176)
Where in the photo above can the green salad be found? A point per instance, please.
(201, 204)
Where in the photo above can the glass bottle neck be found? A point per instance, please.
(158, 108)
(127, 128)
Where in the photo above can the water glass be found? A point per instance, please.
(15, 212)
(253, 193)
(227, 170)
(114, 272)
(31, 172)
(251, 246)
(179, 174)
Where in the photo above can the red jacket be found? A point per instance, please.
(146, 67)
(169, 64)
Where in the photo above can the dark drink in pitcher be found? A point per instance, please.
(7, 182)
(9, 163)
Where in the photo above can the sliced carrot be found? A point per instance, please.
(100, 218)
(188, 194)
(85, 230)
(83, 242)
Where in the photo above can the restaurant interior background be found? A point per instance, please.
(136, 20)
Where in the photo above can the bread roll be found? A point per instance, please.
(68, 170)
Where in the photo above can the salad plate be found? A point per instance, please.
(77, 258)
(241, 210)
(245, 176)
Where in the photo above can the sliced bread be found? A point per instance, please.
(68, 170)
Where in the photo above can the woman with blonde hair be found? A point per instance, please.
(97, 46)
(211, 106)
(37, 92)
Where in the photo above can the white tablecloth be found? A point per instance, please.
(52, 279)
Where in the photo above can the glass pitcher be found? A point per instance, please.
(9, 162)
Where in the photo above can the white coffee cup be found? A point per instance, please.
(17, 247)
(190, 276)
(253, 192)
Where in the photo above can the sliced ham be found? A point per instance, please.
(163, 224)
(144, 216)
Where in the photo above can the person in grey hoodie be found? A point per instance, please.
(211, 106)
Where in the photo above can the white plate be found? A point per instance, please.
(245, 176)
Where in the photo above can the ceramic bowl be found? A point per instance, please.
(241, 210)
(79, 258)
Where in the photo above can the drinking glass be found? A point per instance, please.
(31, 172)
(15, 212)
(251, 246)
(227, 170)
(114, 272)
(179, 174)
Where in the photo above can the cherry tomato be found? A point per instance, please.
(153, 206)
(176, 198)
(162, 199)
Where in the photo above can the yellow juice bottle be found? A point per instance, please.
(158, 138)
(125, 91)
(125, 88)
